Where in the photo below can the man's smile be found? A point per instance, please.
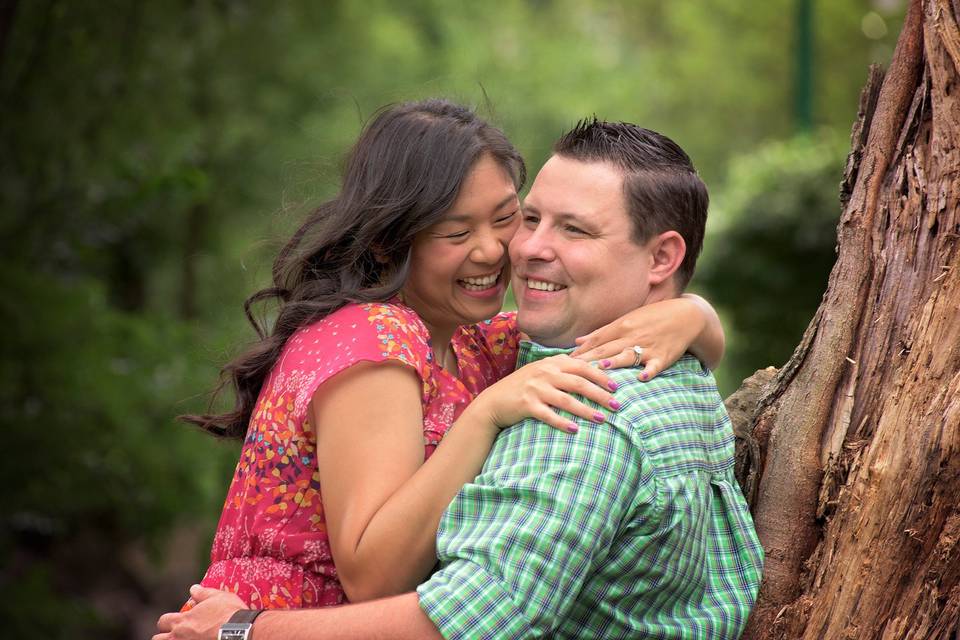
(544, 285)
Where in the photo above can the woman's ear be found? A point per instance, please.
(667, 251)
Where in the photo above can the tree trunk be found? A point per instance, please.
(858, 472)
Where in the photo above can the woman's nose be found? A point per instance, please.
(489, 248)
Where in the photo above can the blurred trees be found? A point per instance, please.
(768, 256)
(152, 155)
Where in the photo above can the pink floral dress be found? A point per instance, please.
(271, 546)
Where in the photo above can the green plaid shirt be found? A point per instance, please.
(635, 528)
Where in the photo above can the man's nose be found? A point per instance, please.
(535, 244)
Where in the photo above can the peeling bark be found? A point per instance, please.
(859, 431)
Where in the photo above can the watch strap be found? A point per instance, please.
(245, 615)
(239, 626)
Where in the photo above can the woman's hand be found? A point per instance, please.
(664, 330)
(536, 390)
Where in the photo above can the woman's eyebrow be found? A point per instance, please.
(466, 217)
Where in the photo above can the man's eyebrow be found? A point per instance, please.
(563, 216)
(466, 217)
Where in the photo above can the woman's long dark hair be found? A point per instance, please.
(402, 176)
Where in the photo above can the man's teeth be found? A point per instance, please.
(544, 286)
(478, 284)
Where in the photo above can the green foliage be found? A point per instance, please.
(768, 257)
(97, 411)
(87, 394)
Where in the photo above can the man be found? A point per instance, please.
(633, 528)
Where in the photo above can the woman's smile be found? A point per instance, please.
(459, 267)
(485, 286)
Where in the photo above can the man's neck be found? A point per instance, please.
(531, 351)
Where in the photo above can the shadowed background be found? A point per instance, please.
(153, 156)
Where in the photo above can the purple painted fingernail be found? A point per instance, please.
(605, 363)
(643, 376)
(613, 386)
(598, 417)
(614, 404)
(572, 427)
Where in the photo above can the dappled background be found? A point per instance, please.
(153, 155)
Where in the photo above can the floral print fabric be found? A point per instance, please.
(271, 546)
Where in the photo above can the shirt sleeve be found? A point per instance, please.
(518, 544)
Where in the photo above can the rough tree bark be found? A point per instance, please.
(858, 468)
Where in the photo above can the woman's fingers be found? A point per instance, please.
(560, 401)
(543, 389)
(570, 404)
(598, 350)
(651, 370)
(564, 364)
(651, 364)
(624, 358)
(584, 343)
(545, 414)
(590, 389)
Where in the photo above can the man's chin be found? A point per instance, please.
(545, 334)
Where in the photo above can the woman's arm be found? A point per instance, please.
(665, 330)
(382, 502)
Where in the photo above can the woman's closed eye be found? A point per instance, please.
(505, 219)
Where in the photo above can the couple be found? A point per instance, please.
(631, 525)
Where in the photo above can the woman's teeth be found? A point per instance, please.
(540, 285)
(479, 284)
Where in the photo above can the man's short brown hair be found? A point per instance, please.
(661, 186)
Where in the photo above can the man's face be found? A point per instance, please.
(575, 266)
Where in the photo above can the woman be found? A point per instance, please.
(379, 381)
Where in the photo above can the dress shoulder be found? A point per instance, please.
(372, 332)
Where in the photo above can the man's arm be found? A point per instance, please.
(395, 618)
(520, 542)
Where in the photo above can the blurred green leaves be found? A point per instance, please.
(768, 256)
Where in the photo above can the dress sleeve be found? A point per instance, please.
(502, 338)
(355, 333)
(517, 542)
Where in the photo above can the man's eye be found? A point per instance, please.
(529, 219)
(573, 229)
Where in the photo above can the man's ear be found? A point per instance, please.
(667, 251)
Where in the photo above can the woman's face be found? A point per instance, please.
(459, 268)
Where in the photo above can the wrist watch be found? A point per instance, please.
(239, 626)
